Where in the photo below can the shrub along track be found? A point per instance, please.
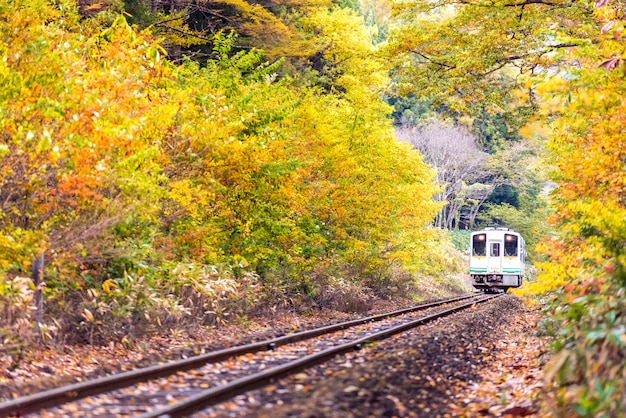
(161, 392)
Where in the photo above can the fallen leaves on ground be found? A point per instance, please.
(41, 368)
(480, 362)
(511, 382)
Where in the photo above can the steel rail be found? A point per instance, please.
(218, 394)
(58, 396)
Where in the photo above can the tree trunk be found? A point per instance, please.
(37, 276)
(474, 210)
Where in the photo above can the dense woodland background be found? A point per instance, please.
(170, 162)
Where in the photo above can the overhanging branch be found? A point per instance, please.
(432, 61)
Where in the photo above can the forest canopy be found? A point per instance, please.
(553, 71)
(175, 159)
(148, 184)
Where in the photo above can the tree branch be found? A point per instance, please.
(182, 32)
(514, 4)
(528, 2)
(170, 20)
(430, 60)
(203, 9)
(513, 58)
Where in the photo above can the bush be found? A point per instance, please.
(461, 240)
(588, 372)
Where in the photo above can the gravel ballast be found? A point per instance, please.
(426, 372)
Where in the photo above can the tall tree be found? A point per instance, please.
(74, 160)
(564, 59)
(458, 161)
(470, 56)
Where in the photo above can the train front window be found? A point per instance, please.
(495, 249)
(479, 245)
(510, 245)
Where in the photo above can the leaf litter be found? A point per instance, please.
(478, 366)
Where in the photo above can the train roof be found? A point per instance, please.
(496, 228)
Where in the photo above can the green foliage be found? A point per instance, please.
(589, 334)
(461, 239)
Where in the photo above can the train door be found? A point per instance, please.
(495, 256)
(513, 260)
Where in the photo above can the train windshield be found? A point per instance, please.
(479, 245)
(510, 245)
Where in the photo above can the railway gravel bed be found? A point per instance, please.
(50, 368)
(472, 364)
(425, 372)
(161, 392)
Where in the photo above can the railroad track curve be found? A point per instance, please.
(182, 387)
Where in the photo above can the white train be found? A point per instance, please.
(496, 259)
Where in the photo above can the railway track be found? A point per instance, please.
(183, 387)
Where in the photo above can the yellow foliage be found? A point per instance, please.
(113, 150)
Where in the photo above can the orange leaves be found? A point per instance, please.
(78, 189)
(75, 106)
(588, 149)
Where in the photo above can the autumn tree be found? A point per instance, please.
(161, 190)
(563, 60)
(459, 165)
(65, 177)
(455, 56)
